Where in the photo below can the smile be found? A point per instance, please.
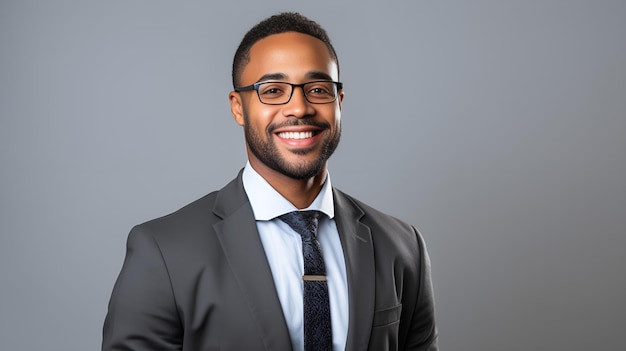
(296, 135)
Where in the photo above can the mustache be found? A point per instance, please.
(297, 123)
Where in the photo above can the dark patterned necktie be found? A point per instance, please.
(317, 331)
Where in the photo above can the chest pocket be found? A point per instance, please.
(387, 316)
(385, 327)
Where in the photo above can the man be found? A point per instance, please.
(227, 272)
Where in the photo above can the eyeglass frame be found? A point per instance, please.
(256, 86)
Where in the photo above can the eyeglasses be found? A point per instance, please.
(279, 93)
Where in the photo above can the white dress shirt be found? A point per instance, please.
(283, 248)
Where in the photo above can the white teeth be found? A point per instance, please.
(295, 135)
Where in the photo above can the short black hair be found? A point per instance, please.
(281, 23)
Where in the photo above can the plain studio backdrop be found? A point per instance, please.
(497, 128)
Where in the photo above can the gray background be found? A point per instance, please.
(496, 127)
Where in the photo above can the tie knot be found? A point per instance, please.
(304, 223)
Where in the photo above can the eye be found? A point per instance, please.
(320, 89)
(271, 90)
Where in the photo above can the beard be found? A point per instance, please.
(264, 148)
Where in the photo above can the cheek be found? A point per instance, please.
(262, 119)
(258, 117)
(334, 116)
(337, 115)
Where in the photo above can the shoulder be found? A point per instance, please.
(191, 215)
(371, 216)
(389, 235)
(202, 213)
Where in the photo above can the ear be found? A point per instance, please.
(340, 99)
(236, 107)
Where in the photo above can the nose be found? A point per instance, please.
(298, 106)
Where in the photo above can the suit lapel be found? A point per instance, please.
(358, 251)
(240, 241)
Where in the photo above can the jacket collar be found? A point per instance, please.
(358, 251)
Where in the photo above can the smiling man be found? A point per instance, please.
(278, 259)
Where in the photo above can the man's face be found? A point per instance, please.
(295, 139)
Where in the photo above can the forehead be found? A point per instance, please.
(292, 55)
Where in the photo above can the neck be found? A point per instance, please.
(300, 192)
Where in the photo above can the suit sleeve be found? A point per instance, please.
(142, 311)
(422, 335)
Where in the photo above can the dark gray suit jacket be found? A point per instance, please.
(198, 279)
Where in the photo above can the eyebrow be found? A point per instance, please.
(319, 75)
(272, 76)
(283, 77)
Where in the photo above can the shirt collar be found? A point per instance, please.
(268, 204)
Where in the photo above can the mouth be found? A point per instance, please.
(299, 138)
(296, 135)
(299, 135)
